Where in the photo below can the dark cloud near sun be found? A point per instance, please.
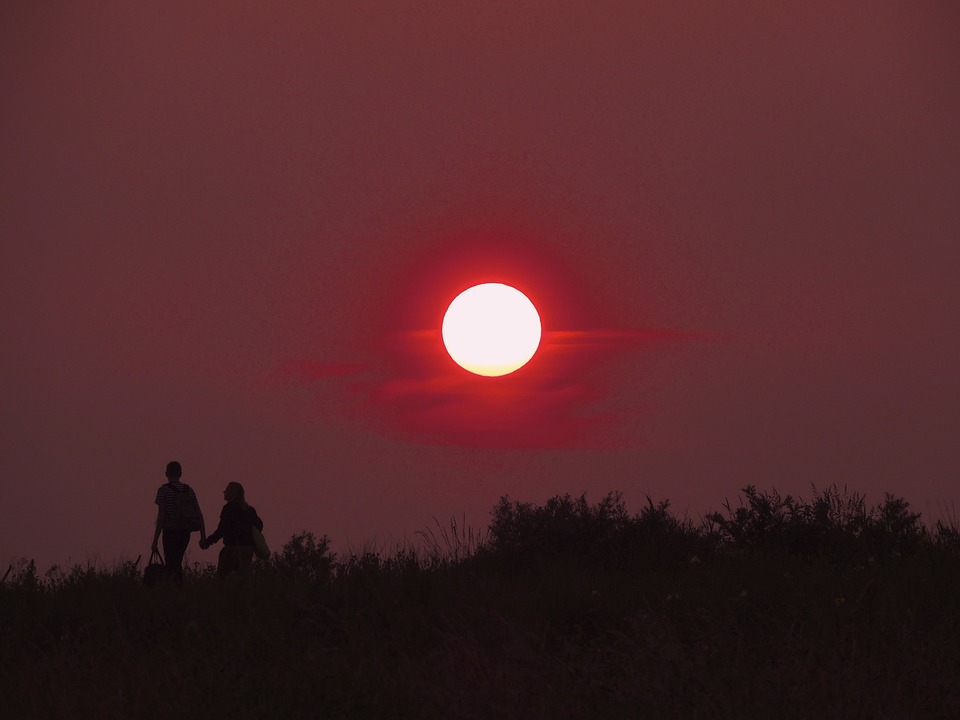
(557, 400)
(419, 394)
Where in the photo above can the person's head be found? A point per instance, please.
(234, 493)
(174, 471)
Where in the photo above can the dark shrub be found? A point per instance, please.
(834, 523)
(306, 556)
(563, 525)
(603, 533)
(892, 528)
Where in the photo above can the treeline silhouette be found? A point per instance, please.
(833, 523)
(773, 606)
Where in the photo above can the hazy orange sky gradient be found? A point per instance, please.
(230, 231)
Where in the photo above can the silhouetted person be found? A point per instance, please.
(178, 514)
(236, 519)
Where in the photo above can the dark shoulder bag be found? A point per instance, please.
(155, 570)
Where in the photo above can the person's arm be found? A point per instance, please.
(203, 527)
(215, 536)
(158, 526)
(256, 520)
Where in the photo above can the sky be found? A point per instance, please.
(230, 230)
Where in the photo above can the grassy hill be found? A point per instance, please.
(775, 608)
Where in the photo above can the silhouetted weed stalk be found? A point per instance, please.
(773, 606)
(452, 543)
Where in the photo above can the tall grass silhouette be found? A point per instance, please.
(773, 606)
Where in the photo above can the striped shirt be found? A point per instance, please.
(166, 498)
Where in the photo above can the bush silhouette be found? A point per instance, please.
(307, 557)
(834, 523)
(604, 532)
(563, 525)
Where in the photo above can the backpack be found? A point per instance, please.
(186, 513)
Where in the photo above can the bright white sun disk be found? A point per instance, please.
(491, 329)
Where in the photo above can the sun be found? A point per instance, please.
(491, 329)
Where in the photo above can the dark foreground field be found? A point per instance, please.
(773, 609)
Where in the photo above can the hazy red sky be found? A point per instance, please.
(229, 232)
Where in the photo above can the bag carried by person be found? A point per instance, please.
(155, 571)
(186, 510)
(260, 548)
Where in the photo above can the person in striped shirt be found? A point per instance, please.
(172, 498)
